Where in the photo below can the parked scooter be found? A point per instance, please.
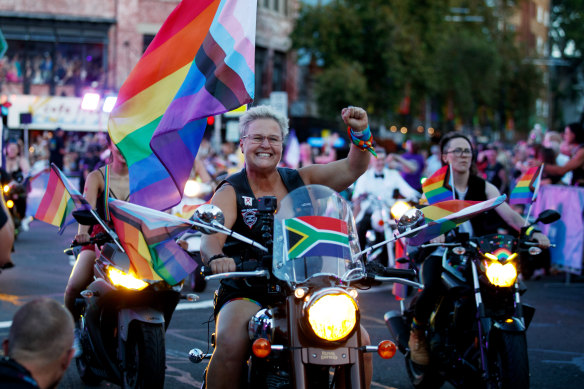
(123, 320)
(477, 330)
(310, 338)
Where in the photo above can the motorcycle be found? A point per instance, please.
(15, 191)
(477, 330)
(310, 338)
(382, 226)
(122, 320)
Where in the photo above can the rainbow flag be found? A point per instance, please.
(437, 187)
(525, 192)
(147, 236)
(201, 63)
(446, 215)
(59, 200)
(308, 236)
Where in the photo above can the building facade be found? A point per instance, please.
(68, 47)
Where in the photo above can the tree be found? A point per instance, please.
(414, 48)
(567, 48)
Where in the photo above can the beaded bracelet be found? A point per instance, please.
(214, 257)
(364, 140)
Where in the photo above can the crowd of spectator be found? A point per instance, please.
(78, 153)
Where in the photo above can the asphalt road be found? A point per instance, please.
(555, 339)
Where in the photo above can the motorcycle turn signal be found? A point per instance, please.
(386, 349)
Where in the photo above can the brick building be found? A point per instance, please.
(65, 47)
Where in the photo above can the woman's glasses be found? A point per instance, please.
(460, 152)
(259, 139)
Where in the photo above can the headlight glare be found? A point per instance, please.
(501, 275)
(333, 316)
(119, 278)
(399, 208)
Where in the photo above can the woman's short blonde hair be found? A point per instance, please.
(262, 112)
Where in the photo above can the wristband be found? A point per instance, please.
(214, 257)
(530, 231)
(362, 139)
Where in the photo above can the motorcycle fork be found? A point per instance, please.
(482, 321)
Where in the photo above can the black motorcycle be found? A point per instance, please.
(477, 329)
(15, 191)
(122, 320)
(310, 338)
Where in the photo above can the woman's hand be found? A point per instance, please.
(355, 117)
(542, 240)
(222, 265)
(183, 244)
(82, 238)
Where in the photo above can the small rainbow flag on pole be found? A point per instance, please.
(59, 200)
(148, 236)
(446, 215)
(437, 187)
(201, 63)
(525, 192)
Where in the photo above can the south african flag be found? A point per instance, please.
(309, 236)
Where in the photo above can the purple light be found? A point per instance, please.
(88, 58)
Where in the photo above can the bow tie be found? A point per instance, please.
(379, 175)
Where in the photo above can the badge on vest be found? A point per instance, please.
(247, 201)
(249, 217)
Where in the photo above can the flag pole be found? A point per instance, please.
(111, 232)
(534, 196)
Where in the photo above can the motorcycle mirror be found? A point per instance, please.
(207, 213)
(411, 219)
(548, 216)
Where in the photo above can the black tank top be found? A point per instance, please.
(246, 222)
(578, 173)
(487, 222)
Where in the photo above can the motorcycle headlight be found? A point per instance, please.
(128, 281)
(500, 274)
(9, 203)
(332, 315)
(399, 208)
(6, 188)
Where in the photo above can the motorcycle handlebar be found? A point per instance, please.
(100, 238)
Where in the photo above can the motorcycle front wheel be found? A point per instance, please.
(423, 377)
(145, 356)
(508, 359)
(87, 376)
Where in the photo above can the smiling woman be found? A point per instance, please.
(262, 133)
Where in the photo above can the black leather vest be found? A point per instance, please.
(247, 210)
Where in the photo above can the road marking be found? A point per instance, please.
(5, 324)
(197, 305)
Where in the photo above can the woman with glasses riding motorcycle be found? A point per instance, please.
(457, 151)
(262, 132)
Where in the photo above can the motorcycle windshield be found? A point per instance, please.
(315, 235)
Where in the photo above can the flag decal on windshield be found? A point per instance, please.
(316, 236)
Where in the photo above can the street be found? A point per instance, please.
(555, 341)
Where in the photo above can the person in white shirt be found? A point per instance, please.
(377, 182)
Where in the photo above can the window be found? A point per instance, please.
(279, 72)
